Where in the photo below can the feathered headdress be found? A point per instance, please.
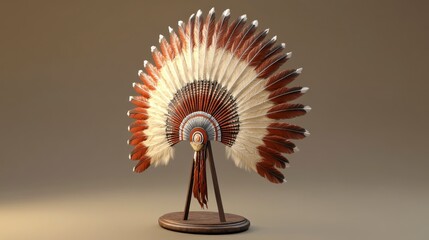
(217, 81)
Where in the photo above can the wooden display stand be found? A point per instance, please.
(203, 222)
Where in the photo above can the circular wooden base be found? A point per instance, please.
(204, 223)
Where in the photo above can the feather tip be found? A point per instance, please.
(226, 13)
(307, 108)
(304, 89)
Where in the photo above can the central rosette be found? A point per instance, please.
(202, 111)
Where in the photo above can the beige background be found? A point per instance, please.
(66, 69)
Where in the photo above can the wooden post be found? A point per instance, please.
(215, 183)
(188, 198)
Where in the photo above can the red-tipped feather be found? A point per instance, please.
(138, 152)
(138, 125)
(281, 79)
(267, 171)
(139, 101)
(210, 26)
(166, 49)
(286, 130)
(181, 37)
(152, 71)
(286, 111)
(175, 43)
(147, 80)
(138, 113)
(137, 138)
(142, 165)
(158, 58)
(190, 31)
(142, 89)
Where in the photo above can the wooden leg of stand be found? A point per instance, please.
(215, 183)
(188, 198)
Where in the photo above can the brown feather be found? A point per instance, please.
(270, 65)
(250, 44)
(285, 94)
(273, 51)
(257, 55)
(234, 31)
(241, 39)
(279, 143)
(273, 156)
(221, 29)
(266, 170)
(281, 79)
(286, 130)
(286, 111)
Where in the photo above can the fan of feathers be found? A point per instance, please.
(217, 81)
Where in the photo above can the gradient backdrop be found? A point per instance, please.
(66, 69)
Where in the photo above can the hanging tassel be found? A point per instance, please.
(200, 180)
